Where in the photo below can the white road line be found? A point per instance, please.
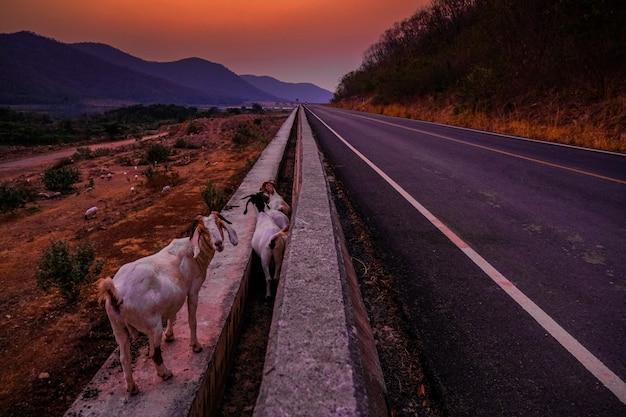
(607, 377)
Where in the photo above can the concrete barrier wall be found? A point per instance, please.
(321, 359)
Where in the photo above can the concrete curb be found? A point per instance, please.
(321, 359)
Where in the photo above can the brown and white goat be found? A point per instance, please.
(268, 240)
(150, 290)
(276, 200)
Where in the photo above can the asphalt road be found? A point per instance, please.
(508, 257)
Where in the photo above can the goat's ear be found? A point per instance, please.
(195, 240)
(232, 235)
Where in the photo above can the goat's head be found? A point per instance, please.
(268, 187)
(259, 200)
(212, 227)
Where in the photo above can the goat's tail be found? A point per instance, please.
(278, 240)
(107, 291)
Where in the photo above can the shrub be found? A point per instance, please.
(244, 134)
(190, 127)
(182, 143)
(157, 153)
(102, 152)
(61, 179)
(15, 196)
(213, 197)
(59, 268)
(82, 153)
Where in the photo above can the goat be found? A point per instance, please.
(268, 240)
(91, 212)
(276, 201)
(166, 189)
(144, 293)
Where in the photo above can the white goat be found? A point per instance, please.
(276, 201)
(268, 240)
(152, 289)
(91, 212)
(166, 189)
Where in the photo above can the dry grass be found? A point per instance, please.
(598, 126)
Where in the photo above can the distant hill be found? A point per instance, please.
(37, 71)
(210, 78)
(302, 92)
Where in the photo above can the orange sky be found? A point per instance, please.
(314, 41)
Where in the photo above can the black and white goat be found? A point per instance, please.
(268, 240)
(276, 200)
(150, 290)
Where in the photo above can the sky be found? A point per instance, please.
(316, 41)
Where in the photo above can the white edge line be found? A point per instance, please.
(607, 377)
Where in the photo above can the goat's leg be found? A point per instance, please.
(122, 336)
(192, 307)
(169, 331)
(268, 280)
(155, 351)
(277, 256)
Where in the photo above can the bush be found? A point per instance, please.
(182, 143)
(157, 153)
(190, 127)
(58, 267)
(61, 179)
(213, 197)
(15, 196)
(82, 153)
(244, 134)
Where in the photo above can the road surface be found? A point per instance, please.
(508, 257)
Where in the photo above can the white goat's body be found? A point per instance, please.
(158, 283)
(268, 240)
(268, 243)
(150, 290)
(90, 212)
(280, 218)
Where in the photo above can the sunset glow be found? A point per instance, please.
(295, 41)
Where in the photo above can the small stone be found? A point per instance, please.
(44, 375)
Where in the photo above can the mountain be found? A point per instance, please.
(210, 78)
(302, 92)
(38, 70)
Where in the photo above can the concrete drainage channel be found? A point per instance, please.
(321, 359)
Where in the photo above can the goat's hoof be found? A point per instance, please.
(134, 390)
(169, 338)
(196, 348)
(166, 375)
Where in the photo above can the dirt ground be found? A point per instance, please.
(49, 348)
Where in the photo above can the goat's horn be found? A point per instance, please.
(224, 219)
(193, 228)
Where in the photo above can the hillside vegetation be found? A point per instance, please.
(547, 69)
